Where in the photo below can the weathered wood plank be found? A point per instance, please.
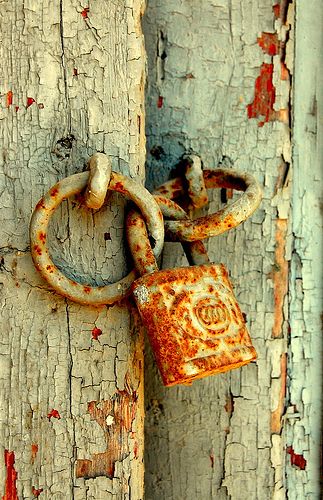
(72, 84)
(219, 86)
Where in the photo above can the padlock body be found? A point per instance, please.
(193, 321)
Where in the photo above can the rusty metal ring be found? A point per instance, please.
(227, 218)
(85, 294)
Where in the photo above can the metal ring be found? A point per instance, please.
(85, 294)
(227, 218)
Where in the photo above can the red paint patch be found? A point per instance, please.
(30, 101)
(276, 9)
(35, 492)
(85, 12)
(160, 102)
(34, 451)
(298, 460)
(269, 43)
(87, 289)
(9, 97)
(96, 332)
(265, 94)
(10, 492)
(53, 414)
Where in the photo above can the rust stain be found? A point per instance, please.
(96, 332)
(11, 477)
(280, 277)
(276, 415)
(265, 95)
(269, 43)
(298, 460)
(54, 192)
(34, 451)
(53, 414)
(202, 330)
(9, 97)
(115, 417)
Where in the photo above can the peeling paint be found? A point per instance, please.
(265, 95)
(122, 407)
(280, 276)
(11, 478)
(269, 43)
(53, 414)
(295, 459)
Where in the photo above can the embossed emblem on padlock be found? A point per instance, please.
(194, 322)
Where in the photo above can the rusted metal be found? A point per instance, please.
(99, 179)
(193, 321)
(196, 189)
(139, 244)
(227, 218)
(45, 208)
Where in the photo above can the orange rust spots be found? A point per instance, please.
(298, 460)
(269, 43)
(87, 289)
(276, 415)
(34, 451)
(160, 101)
(120, 187)
(36, 492)
(10, 492)
(115, 417)
(136, 449)
(276, 9)
(9, 97)
(54, 192)
(193, 325)
(42, 237)
(53, 414)
(280, 277)
(37, 249)
(40, 204)
(96, 332)
(30, 101)
(265, 95)
(85, 12)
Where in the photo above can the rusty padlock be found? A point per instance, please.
(192, 317)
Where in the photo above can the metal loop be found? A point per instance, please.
(139, 243)
(196, 185)
(85, 294)
(227, 218)
(99, 179)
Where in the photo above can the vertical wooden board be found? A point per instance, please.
(304, 399)
(219, 86)
(71, 376)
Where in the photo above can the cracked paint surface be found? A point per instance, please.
(50, 125)
(223, 435)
